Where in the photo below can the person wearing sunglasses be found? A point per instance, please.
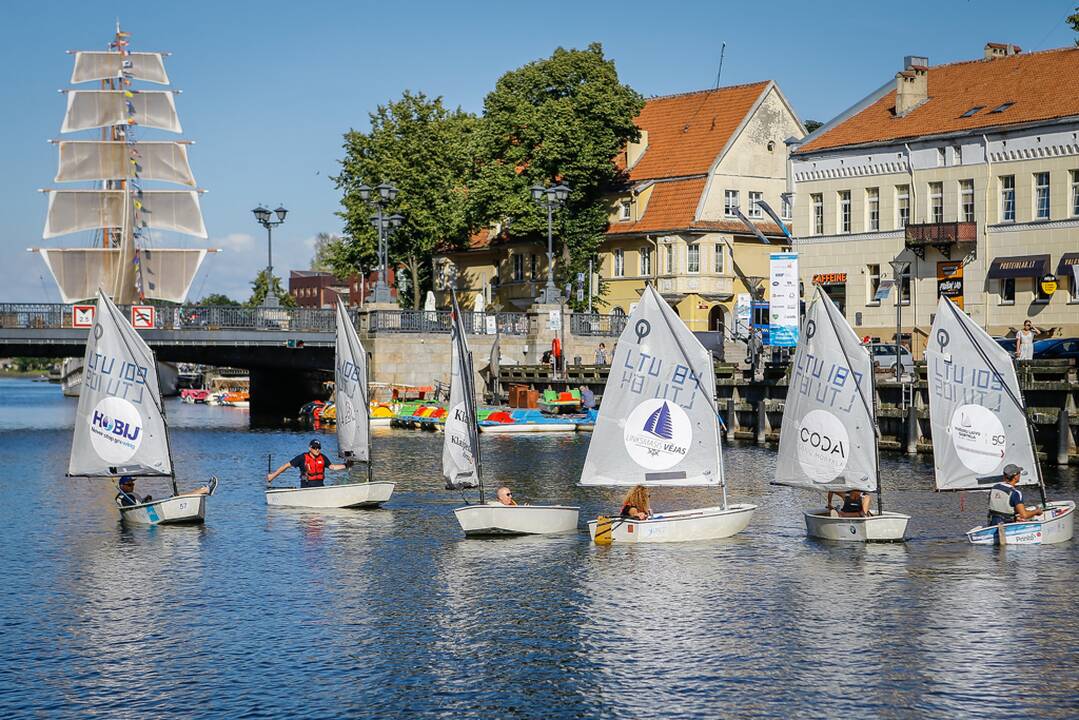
(504, 496)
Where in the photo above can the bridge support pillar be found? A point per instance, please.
(278, 393)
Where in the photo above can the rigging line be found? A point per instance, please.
(861, 395)
(704, 96)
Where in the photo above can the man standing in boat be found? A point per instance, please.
(1006, 500)
(311, 464)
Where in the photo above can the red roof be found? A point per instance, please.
(672, 207)
(1041, 86)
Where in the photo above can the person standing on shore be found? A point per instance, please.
(1024, 341)
(601, 354)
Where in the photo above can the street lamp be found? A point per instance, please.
(899, 268)
(262, 217)
(379, 197)
(550, 198)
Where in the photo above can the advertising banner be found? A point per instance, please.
(950, 281)
(742, 302)
(783, 307)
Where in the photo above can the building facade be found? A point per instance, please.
(968, 175)
(313, 289)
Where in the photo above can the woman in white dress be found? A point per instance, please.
(1024, 341)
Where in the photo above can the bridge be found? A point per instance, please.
(288, 352)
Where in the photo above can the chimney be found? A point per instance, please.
(999, 50)
(911, 84)
(634, 150)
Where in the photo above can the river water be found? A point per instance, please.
(392, 613)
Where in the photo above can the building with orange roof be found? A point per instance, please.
(968, 175)
(701, 156)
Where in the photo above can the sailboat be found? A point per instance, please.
(980, 425)
(120, 425)
(351, 379)
(828, 440)
(658, 426)
(126, 259)
(462, 464)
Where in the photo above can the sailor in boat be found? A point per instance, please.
(635, 505)
(1006, 500)
(855, 503)
(127, 497)
(504, 496)
(311, 464)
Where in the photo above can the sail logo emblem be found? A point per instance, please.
(978, 438)
(657, 434)
(115, 430)
(823, 446)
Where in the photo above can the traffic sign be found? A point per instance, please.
(142, 317)
(82, 316)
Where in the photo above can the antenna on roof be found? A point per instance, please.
(719, 74)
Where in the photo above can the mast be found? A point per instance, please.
(367, 409)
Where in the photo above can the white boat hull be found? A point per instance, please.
(886, 527)
(380, 422)
(481, 520)
(179, 510)
(683, 526)
(1047, 531)
(351, 495)
(510, 428)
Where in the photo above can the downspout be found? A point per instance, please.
(985, 227)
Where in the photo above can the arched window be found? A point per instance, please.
(618, 311)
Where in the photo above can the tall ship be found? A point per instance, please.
(118, 190)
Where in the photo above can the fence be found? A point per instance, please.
(439, 321)
(593, 324)
(55, 315)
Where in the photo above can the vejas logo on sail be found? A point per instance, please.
(657, 434)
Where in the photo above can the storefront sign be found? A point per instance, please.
(1049, 284)
(783, 305)
(950, 281)
(829, 278)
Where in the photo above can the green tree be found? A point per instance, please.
(559, 119)
(1073, 21)
(425, 150)
(812, 125)
(218, 299)
(321, 261)
(259, 288)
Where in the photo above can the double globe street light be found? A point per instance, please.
(551, 198)
(378, 198)
(263, 217)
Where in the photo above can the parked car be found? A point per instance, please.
(883, 355)
(1057, 349)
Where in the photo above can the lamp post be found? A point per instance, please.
(899, 267)
(550, 198)
(378, 198)
(262, 216)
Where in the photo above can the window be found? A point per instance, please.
(940, 157)
(785, 205)
(518, 267)
(755, 209)
(720, 259)
(902, 295)
(625, 210)
(1006, 288)
(619, 262)
(693, 258)
(872, 209)
(902, 206)
(669, 252)
(936, 202)
(1001, 108)
(844, 211)
(1075, 192)
(1041, 196)
(730, 203)
(646, 261)
(973, 111)
(1073, 286)
(872, 276)
(533, 266)
(1007, 198)
(818, 213)
(966, 200)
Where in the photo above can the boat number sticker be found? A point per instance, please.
(823, 446)
(978, 438)
(346, 414)
(115, 430)
(658, 434)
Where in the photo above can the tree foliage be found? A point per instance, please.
(1073, 22)
(812, 125)
(426, 151)
(559, 119)
(259, 288)
(321, 259)
(218, 299)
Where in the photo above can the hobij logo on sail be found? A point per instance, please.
(115, 429)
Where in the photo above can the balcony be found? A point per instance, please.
(942, 236)
(709, 287)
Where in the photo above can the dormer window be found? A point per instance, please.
(1001, 108)
(973, 111)
(625, 210)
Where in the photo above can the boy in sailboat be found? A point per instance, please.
(311, 464)
(1006, 500)
(127, 497)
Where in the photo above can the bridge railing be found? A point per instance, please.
(438, 321)
(593, 324)
(188, 317)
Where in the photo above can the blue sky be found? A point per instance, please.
(269, 87)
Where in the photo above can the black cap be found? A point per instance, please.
(1011, 469)
(126, 479)
(315, 444)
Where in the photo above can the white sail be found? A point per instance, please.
(828, 437)
(976, 408)
(89, 109)
(148, 66)
(460, 444)
(76, 210)
(80, 272)
(350, 382)
(119, 424)
(657, 424)
(113, 160)
(176, 210)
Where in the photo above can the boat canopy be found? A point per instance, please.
(350, 387)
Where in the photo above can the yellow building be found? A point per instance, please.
(969, 172)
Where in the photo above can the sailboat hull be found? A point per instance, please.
(179, 510)
(351, 495)
(886, 527)
(493, 520)
(683, 526)
(1048, 531)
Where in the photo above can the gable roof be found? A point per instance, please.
(1041, 86)
(687, 132)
